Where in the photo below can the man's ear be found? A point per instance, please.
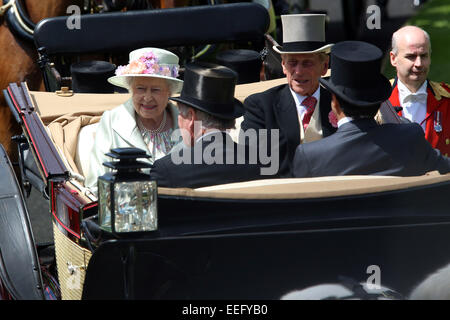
(326, 65)
(335, 105)
(283, 64)
(333, 102)
(393, 57)
(191, 116)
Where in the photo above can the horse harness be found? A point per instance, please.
(18, 21)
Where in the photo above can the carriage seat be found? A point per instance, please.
(73, 136)
(249, 23)
(86, 138)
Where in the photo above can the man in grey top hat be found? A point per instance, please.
(300, 109)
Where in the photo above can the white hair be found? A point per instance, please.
(171, 84)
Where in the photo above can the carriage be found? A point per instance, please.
(249, 240)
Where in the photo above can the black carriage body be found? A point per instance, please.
(265, 265)
(20, 276)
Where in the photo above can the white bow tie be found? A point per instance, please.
(415, 97)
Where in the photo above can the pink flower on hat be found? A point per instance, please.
(120, 70)
(333, 119)
(148, 64)
(136, 67)
(149, 56)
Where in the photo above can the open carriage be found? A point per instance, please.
(249, 240)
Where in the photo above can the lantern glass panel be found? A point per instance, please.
(135, 206)
(104, 214)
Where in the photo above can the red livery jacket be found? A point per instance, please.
(438, 113)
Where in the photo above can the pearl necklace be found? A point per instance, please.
(157, 130)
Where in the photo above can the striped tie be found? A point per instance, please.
(309, 103)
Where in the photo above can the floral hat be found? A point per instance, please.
(149, 62)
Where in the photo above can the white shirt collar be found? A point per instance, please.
(344, 121)
(406, 95)
(414, 104)
(298, 98)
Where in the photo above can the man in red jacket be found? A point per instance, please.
(423, 101)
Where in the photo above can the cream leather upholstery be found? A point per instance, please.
(86, 139)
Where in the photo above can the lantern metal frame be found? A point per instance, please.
(126, 168)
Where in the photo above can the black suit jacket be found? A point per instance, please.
(198, 170)
(275, 109)
(362, 147)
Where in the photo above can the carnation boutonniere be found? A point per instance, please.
(333, 119)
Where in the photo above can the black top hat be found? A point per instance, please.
(91, 76)
(246, 63)
(210, 88)
(355, 75)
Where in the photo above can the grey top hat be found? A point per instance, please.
(303, 33)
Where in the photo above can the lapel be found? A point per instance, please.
(288, 121)
(394, 99)
(287, 117)
(124, 125)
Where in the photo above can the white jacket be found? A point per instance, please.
(118, 129)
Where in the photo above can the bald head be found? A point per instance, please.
(408, 35)
(410, 55)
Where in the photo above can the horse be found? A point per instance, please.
(18, 61)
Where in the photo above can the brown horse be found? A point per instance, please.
(18, 62)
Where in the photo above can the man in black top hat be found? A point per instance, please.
(300, 109)
(210, 157)
(361, 146)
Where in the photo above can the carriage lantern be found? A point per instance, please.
(127, 196)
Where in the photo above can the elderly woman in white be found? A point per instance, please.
(147, 119)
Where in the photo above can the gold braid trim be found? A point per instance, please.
(439, 90)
